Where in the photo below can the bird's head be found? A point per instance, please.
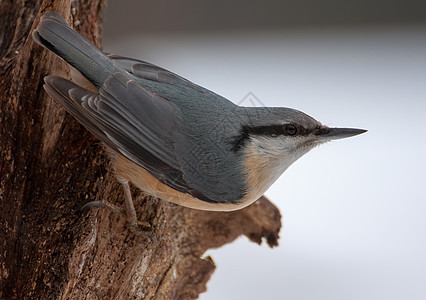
(284, 132)
(274, 138)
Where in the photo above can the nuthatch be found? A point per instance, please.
(172, 138)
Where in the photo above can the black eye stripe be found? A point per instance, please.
(273, 130)
(270, 130)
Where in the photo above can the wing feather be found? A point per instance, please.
(145, 70)
(139, 121)
(113, 128)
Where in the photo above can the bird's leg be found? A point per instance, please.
(130, 209)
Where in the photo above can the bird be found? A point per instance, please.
(170, 137)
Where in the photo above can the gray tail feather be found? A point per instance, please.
(57, 36)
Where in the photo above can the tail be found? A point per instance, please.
(56, 35)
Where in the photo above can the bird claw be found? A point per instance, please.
(102, 204)
(134, 227)
(144, 224)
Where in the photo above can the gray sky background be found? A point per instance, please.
(353, 210)
(185, 16)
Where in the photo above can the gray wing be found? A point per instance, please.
(203, 144)
(141, 126)
(144, 70)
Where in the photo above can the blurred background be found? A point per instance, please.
(354, 211)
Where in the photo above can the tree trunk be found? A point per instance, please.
(50, 166)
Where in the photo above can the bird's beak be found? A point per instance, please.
(330, 134)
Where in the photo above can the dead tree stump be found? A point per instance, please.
(50, 166)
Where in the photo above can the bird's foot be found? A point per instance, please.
(139, 228)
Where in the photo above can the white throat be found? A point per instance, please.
(267, 158)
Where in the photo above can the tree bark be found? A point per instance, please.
(50, 166)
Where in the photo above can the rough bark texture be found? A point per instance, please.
(50, 166)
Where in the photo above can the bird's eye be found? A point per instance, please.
(290, 129)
